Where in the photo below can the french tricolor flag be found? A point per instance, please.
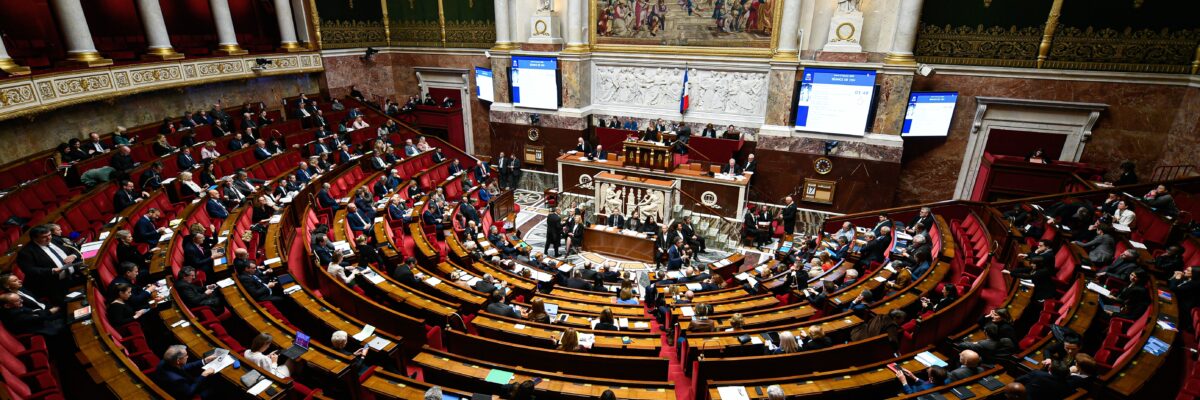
(684, 99)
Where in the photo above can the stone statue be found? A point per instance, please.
(545, 6)
(612, 199)
(848, 6)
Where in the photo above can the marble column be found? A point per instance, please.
(159, 42)
(287, 28)
(227, 43)
(73, 24)
(503, 33)
(789, 28)
(575, 25)
(906, 34)
(300, 21)
(7, 64)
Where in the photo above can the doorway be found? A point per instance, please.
(1060, 129)
(455, 84)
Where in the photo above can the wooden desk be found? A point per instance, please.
(545, 335)
(468, 373)
(545, 359)
(106, 363)
(617, 244)
(729, 195)
(873, 380)
(319, 356)
(651, 155)
(387, 385)
(200, 340)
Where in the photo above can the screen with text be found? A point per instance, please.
(535, 82)
(835, 101)
(483, 84)
(929, 113)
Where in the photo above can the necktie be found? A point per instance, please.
(58, 255)
(29, 298)
(221, 206)
(359, 218)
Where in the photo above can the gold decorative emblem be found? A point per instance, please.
(540, 27)
(823, 165)
(533, 134)
(845, 31)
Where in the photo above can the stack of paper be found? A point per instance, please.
(365, 333)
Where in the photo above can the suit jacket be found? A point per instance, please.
(674, 259)
(150, 180)
(503, 310)
(454, 169)
(482, 172)
(468, 211)
(1163, 203)
(303, 176)
(215, 209)
(139, 299)
(325, 199)
(750, 166)
(122, 199)
(360, 224)
(737, 169)
(924, 221)
(122, 162)
(28, 319)
(343, 156)
(181, 383)
(261, 153)
(199, 256)
(1041, 385)
(429, 217)
(616, 220)
(256, 287)
(235, 145)
(963, 372)
(146, 232)
(789, 212)
(484, 287)
(185, 162)
(193, 295)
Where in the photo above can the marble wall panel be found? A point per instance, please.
(893, 101)
(373, 78)
(1183, 142)
(1136, 127)
(779, 96)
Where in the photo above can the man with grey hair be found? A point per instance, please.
(183, 380)
(338, 341)
(775, 392)
(434, 393)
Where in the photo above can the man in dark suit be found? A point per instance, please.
(554, 231)
(414, 191)
(127, 273)
(487, 284)
(438, 156)
(180, 378)
(237, 142)
(1160, 200)
(152, 178)
(1124, 265)
(600, 153)
(504, 170)
(260, 150)
(122, 162)
(343, 154)
(326, 200)
(213, 206)
(359, 223)
(501, 243)
(404, 272)
(750, 226)
(319, 120)
(582, 147)
(731, 168)
(467, 210)
(923, 218)
(615, 220)
(48, 268)
(185, 161)
(125, 196)
(1048, 385)
(194, 295)
(689, 235)
(145, 231)
(482, 172)
(497, 306)
(198, 252)
(873, 250)
(94, 145)
(323, 250)
(9, 283)
(674, 255)
(20, 318)
(750, 164)
(454, 167)
(789, 216)
(576, 281)
(257, 285)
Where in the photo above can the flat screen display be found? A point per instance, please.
(835, 101)
(929, 114)
(535, 82)
(483, 84)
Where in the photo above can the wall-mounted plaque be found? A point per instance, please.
(818, 191)
(535, 155)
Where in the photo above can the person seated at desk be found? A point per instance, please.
(257, 355)
(581, 146)
(934, 376)
(501, 243)
(615, 220)
(599, 153)
(649, 135)
(709, 131)
(1160, 200)
(731, 168)
(993, 347)
(127, 273)
(1046, 385)
(787, 344)
(537, 312)
(675, 256)
(625, 297)
(359, 223)
(969, 365)
(180, 378)
(20, 317)
(731, 133)
(497, 306)
(1133, 299)
(630, 124)
(358, 364)
(613, 123)
(606, 321)
(569, 342)
(146, 232)
(576, 281)
(259, 286)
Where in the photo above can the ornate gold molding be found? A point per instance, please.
(1048, 33)
(39, 93)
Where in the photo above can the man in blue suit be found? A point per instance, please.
(260, 150)
(198, 252)
(302, 173)
(180, 378)
(630, 124)
(455, 168)
(215, 209)
(325, 199)
(396, 211)
(185, 161)
(468, 210)
(483, 171)
(674, 256)
(358, 222)
(145, 231)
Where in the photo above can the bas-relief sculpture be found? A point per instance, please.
(643, 203)
(716, 23)
(718, 92)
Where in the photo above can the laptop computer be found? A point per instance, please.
(299, 347)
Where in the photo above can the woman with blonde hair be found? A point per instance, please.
(814, 338)
(787, 344)
(209, 150)
(737, 321)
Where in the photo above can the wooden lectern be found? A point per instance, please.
(650, 155)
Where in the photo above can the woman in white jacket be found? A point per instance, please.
(269, 362)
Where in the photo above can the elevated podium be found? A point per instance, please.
(648, 155)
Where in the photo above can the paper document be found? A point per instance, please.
(259, 387)
(224, 283)
(379, 343)
(1098, 289)
(930, 360)
(499, 377)
(733, 393)
(365, 333)
(687, 311)
(1137, 245)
